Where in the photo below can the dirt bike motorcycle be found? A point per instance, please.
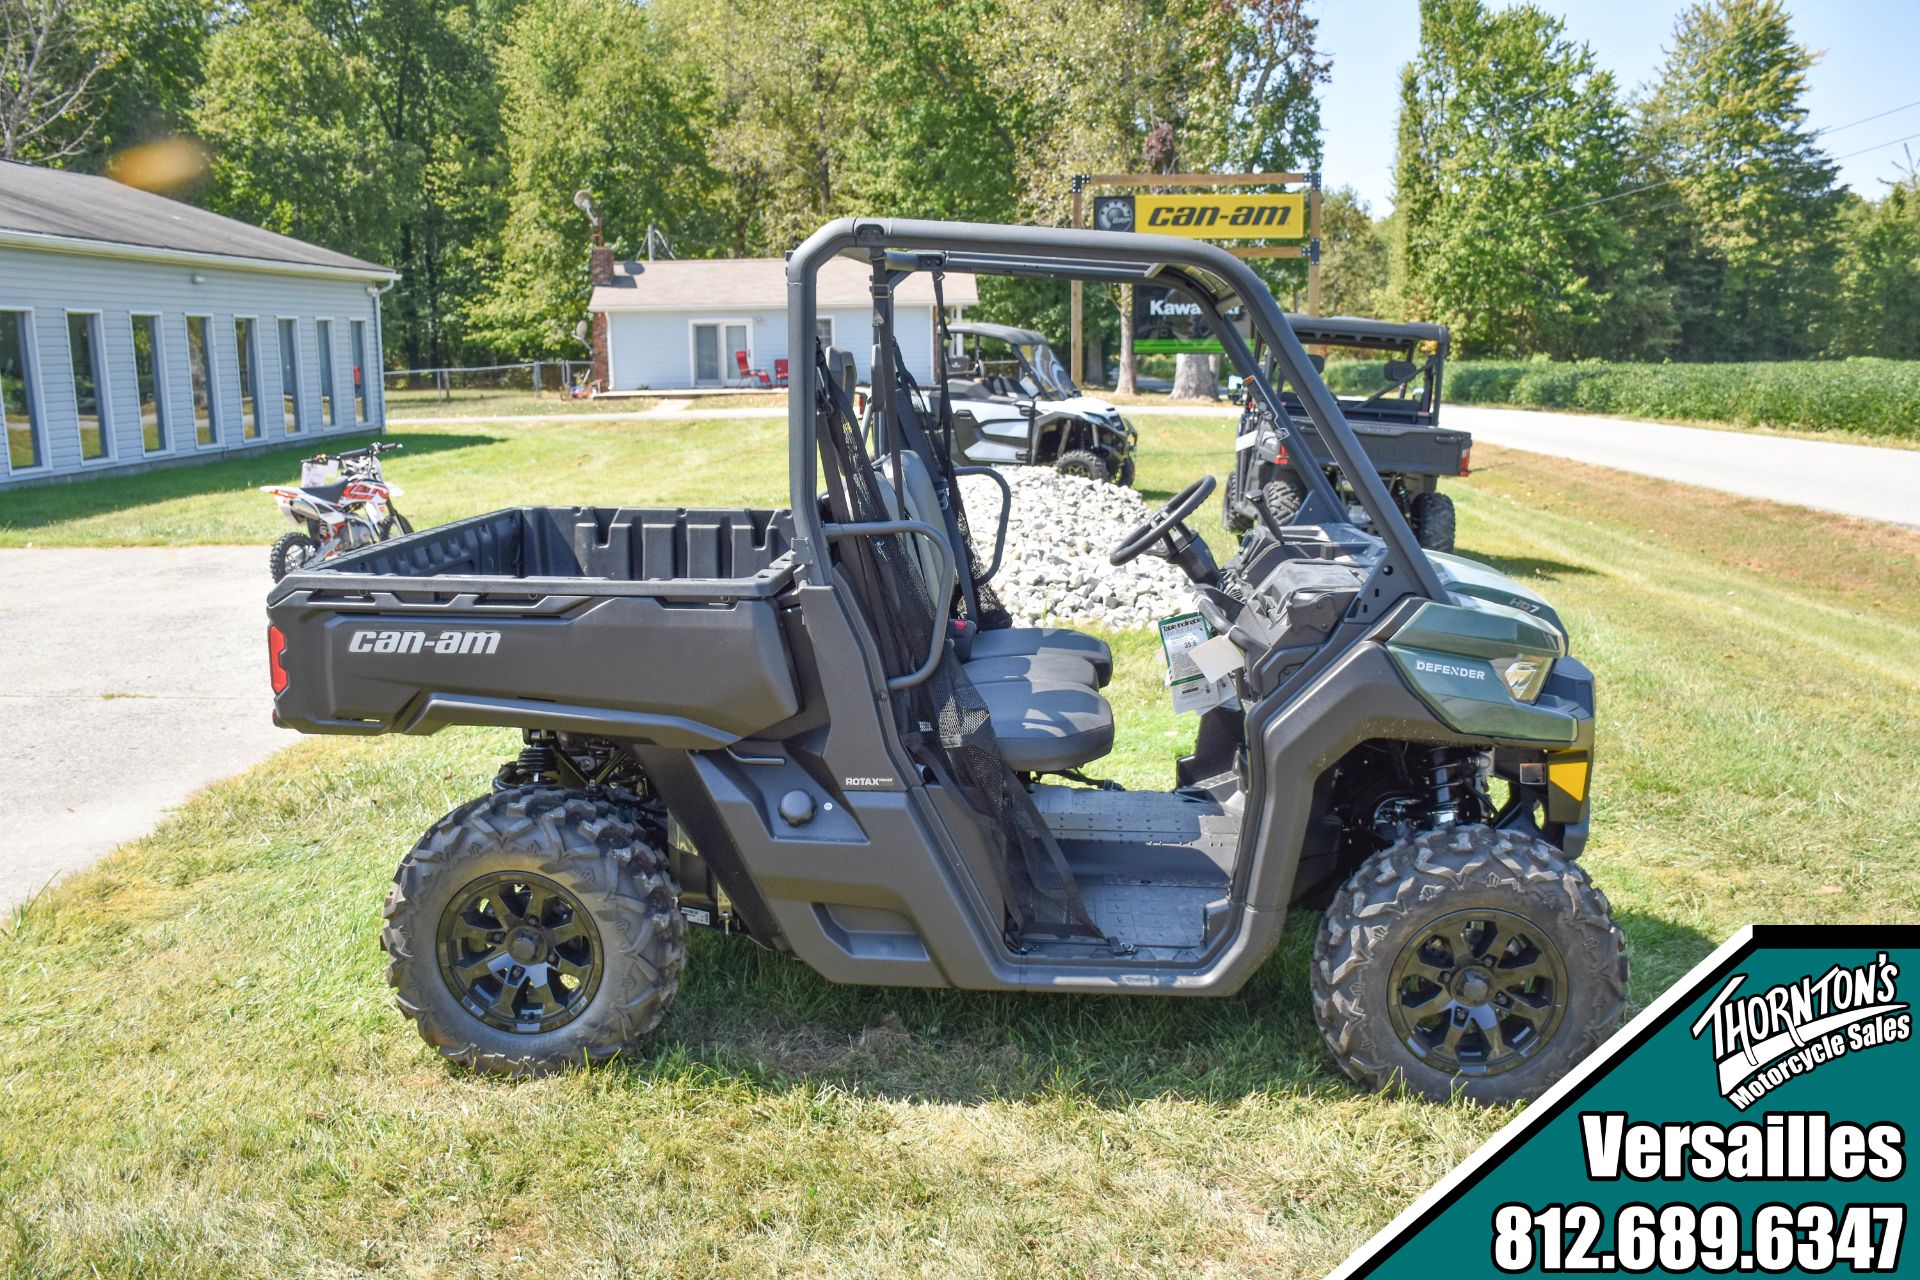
(342, 503)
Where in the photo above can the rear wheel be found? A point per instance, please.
(534, 928)
(1468, 959)
(1285, 496)
(289, 553)
(1084, 463)
(1432, 515)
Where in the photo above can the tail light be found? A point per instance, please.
(1466, 459)
(1280, 455)
(276, 650)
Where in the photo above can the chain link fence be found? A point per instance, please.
(490, 386)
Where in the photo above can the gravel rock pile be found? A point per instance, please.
(1055, 569)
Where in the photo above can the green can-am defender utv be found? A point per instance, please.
(813, 727)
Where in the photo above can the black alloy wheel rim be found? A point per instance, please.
(520, 953)
(1478, 992)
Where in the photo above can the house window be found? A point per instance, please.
(715, 344)
(358, 330)
(290, 410)
(83, 343)
(16, 393)
(200, 369)
(329, 410)
(823, 331)
(243, 343)
(146, 373)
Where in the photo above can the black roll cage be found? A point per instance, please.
(1210, 276)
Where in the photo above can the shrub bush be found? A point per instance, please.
(1873, 396)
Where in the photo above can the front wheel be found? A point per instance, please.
(1468, 959)
(1084, 463)
(532, 929)
(290, 553)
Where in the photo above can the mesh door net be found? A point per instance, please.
(943, 719)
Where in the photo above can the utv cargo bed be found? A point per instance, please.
(655, 624)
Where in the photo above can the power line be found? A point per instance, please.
(1634, 191)
(1821, 133)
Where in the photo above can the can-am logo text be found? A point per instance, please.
(1761, 1041)
(477, 642)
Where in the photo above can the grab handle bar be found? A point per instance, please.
(1006, 509)
(879, 528)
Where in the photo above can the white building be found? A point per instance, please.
(678, 324)
(137, 331)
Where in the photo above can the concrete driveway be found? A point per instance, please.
(129, 678)
(1851, 479)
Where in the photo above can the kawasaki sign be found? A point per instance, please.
(1165, 321)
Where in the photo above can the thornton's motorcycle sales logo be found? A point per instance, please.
(1764, 1039)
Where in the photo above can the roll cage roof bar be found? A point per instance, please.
(1210, 276)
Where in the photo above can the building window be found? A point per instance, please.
(823, 331)
(146, 372)
(329, 409)
(358, 328)
(243, 343)
(290, 408)
(83, 344)
(717, 351)
(206, 429)
(16, 393)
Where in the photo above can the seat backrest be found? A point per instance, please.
(843, 370)
(922, 504)
(740, 358)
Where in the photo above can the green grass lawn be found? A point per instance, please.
(201, 1074)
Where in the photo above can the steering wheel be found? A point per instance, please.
(1163, 522)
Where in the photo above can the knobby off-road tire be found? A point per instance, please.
(1232, 519)
(290, 551)
(592, 864)
(1433, 521)
(1404, 957)
(1124, 476)
(1083, 463)
(1285, 496)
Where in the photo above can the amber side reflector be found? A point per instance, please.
(1570, 776)
(276, 649)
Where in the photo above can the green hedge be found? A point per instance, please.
(1873, 396)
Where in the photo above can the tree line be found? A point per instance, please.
(1539, 208)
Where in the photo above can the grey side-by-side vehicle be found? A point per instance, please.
(813, 726)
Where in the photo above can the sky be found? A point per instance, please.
(1866, 68)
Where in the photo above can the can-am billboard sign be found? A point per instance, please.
(1270, 216)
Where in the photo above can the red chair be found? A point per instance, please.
(756, 376)
(780, 373)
